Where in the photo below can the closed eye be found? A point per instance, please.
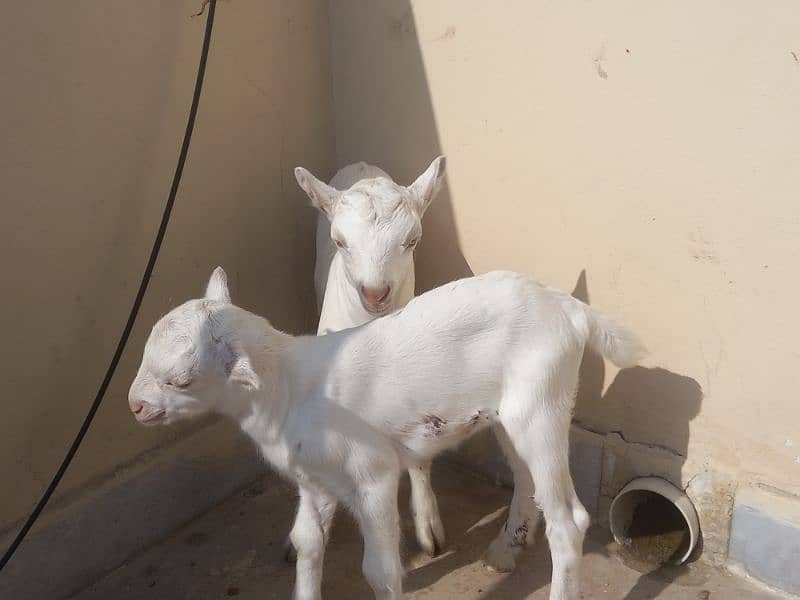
(411, 243)
(179, 384)
(340, 244)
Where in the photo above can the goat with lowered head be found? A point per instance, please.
(367, 231)
(342, 414)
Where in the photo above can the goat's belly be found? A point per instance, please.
(427, 436)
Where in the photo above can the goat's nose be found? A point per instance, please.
(136, 405)
(375, 296)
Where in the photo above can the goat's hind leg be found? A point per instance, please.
(540, 435)
(425, 510)
(520, 527)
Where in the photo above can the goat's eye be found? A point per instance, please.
(180, 384)
(340, 244)
(412, 243)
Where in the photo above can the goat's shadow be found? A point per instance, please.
(635, 399)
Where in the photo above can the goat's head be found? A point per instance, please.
(191, 360)
(376, 225)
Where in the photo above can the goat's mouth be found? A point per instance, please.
(151, 418)
(381, 309)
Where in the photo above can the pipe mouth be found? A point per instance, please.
(654, 522)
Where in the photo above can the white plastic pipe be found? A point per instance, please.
(624, 506)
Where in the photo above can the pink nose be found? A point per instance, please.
(375, 296)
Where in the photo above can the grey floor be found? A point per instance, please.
(236, 550)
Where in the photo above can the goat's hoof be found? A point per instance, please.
(291, 553)
(500, 557)
(430, 538)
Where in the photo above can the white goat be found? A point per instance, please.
(367, 231)
(341, 414)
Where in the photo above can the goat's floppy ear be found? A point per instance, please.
(237, 365)
(217, 288)
(323, 196)
(427, 185)
(242, 373)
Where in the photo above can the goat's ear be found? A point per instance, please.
(427, 185)
(237, 365)
(217, 288)
(242, 373)
(323, 196)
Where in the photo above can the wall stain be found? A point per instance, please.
(448, 34)
(598, 61)
(701, 249)
(403, 25)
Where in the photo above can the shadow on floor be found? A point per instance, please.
(236, 550)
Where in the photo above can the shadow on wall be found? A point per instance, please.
(401, 137)
(637, 399)
(72, 248)
(98, 108)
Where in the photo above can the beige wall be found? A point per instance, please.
(653, 146)
(94, 101)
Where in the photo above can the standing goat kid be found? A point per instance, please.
(367, 231)
(342, 414)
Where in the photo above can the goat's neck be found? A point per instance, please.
(262, 412)
(406, 291)
(342, 306)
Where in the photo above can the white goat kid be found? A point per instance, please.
(367, 230)
(342, 414)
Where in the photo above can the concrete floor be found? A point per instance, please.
(236, 550)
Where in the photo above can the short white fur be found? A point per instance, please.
(341, 414)
(378, 224)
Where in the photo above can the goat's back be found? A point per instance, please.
(448, 352)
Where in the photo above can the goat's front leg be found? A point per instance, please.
(309, 536)
(425, 510)
(376, 511)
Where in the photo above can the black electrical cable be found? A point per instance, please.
(187, 136)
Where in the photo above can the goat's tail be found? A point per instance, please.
(611, 340)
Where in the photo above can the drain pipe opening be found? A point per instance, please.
(654, 522)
